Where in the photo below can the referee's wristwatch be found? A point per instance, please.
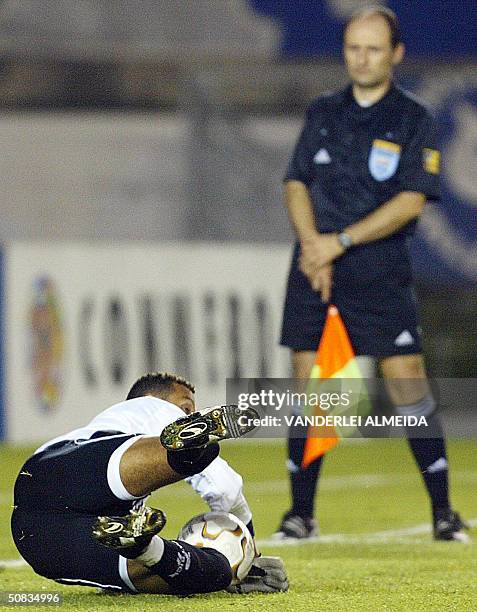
(345, 240)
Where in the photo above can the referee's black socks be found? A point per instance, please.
(303, 480)
(431, 457)
(429, 450)
(427, 446)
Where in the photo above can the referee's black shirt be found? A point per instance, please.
(354, 158)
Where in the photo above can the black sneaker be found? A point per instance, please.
(208, 425)
(448, 526)
(129, 534)
(294, 527)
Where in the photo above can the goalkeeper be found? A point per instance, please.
(109, 467)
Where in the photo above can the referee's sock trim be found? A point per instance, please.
(425, 407)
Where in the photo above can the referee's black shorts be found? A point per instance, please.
(59, 493)
(380, 316)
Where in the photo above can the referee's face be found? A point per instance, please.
(368, 53)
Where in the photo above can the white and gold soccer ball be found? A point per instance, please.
(227, 534)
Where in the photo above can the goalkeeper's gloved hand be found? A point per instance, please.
(267, 575)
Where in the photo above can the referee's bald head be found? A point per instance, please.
(385, 13)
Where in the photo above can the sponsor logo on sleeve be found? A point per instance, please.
(431, 160)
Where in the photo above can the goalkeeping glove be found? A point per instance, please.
(267, 575)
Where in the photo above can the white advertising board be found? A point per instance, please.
(83, 321)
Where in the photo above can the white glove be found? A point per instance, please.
(267, 575)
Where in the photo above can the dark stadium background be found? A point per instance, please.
(218, 67)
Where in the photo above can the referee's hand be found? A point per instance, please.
(320, 279)
(322, 282)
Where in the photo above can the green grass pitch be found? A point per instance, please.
(376, 551)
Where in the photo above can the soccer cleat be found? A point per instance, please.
(294, 527)
(208, 425)
(129, 534)
(448, 526)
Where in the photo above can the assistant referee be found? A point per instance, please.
(361, 172)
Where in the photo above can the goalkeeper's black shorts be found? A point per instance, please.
(59, 494)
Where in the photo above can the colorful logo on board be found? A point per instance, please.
(47, 344)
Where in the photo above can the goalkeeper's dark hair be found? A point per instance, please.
(157, 383)
(382, 11)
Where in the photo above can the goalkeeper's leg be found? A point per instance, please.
(178, 568)
(156, 565)
(186, 447)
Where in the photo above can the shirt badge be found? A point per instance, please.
(384, 159)
(322, 157)
(431, 160)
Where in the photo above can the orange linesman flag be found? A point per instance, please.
(335, 359)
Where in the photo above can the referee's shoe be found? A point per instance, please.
(449, 527)
(207, 426)
(294, 527)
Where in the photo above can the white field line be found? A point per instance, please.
(394, 536)
(357, 481)
(12, 564)
(331, 483)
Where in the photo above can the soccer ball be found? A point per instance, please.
(227, 534)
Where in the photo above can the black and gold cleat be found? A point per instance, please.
(130, 533)
(207, 426)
